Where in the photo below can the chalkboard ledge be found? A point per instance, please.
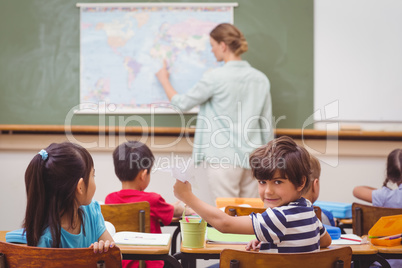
(175, 131)
(97, 130)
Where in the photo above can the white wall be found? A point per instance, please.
(358, 60)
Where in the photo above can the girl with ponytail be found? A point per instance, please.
(385, 197)
(60, 212)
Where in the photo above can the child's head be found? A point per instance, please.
(313, 189)
(394, 167)
(130, 158)
(58, 180)
(231, 36)
(282, 169)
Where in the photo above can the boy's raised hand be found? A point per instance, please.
(182, 190)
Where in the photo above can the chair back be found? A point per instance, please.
(365, 216)
(222, 202)
(245, 211)
(242, 211)
(317, 211)
(133, 217)
(23, 256)
(327, 258)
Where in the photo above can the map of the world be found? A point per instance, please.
(122, 48)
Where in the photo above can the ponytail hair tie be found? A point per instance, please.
(44, 154)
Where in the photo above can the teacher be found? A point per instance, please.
(234, 117)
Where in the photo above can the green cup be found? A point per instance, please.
(193, 233)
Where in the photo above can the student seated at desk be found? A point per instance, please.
(313, 190)
(133, 162)
(385, 197)
(289, 224)
(60, 212)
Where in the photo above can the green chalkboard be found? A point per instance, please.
(39, 66)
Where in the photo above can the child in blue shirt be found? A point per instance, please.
(60, 212)
(289, 225)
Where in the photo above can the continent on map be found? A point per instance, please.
(191, 35)
(118, 33)
(100, 90)
(133, 68)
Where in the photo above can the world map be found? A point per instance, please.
(122, 48)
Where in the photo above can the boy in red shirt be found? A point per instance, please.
(133, 162)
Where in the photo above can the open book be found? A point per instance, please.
(141, 239)
(137, 238)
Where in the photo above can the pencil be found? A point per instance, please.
(351, 239)
(391, 237)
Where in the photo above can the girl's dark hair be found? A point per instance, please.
(394, 167)
(231, 36)
(283, 154)
(131, 157)
(51, 189)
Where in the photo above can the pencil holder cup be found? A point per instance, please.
(193, 233)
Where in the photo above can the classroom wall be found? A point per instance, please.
(358, 62)
(345, 164)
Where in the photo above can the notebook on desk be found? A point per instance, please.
(349, 239)
(137, 238)
(141, 239)
(214, 236)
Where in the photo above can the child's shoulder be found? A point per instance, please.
(152, 195)
(93, 207)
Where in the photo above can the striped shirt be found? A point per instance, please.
(288, 229)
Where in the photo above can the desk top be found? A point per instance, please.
(364, 249)
(125, 249)
(210, 248)
(146, 250)
(390, 250)
(238, 201)
(346, 221)
(3, 235)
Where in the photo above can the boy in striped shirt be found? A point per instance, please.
(289, 224)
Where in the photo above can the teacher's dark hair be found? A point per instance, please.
(231, 36)
(51, 190)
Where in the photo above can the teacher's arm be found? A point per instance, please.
(163, 77)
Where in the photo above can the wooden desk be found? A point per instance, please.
(149, 253)
(363, 255)
(344, 224)
(189, 256)
(138, 252)
(175, 222)
(390, 252)
(3, 235)
(222, 202)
